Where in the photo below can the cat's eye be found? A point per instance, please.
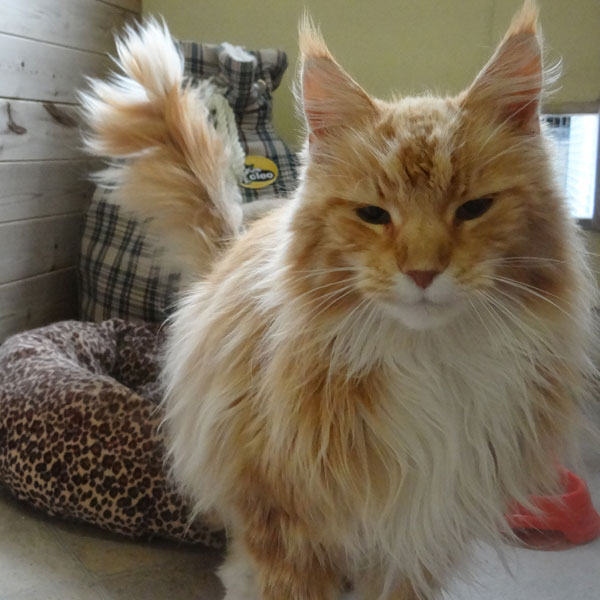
(374, 214)
(473, 208)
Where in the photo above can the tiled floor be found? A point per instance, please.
(46, 559)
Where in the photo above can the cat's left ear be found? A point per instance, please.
(330, 98)
(510, 85)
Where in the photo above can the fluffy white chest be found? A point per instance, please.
(451, 427)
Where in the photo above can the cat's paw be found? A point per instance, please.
(237, 575)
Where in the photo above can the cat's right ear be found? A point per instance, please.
(510, 85)
(329, 97)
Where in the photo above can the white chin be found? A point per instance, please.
(424, 315)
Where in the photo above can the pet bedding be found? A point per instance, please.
(79, 429)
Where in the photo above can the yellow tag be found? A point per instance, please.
(259, 172)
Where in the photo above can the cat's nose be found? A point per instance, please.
(422, 278)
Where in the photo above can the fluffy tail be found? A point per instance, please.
(177, 168)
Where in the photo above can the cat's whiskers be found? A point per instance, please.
(456, 147)
(349, 338)
(291, 278)
(534, 341)
(340, 327)
(524, 259)
(340, 343)
(328, 299)
(480, 318)
(347, 286)
(530, 289)
(503, 321)
(365, 330)
(515, 263)
(528, 331)
(499, 326)
(521, 351)
(319, 337)
(325, 270)
(506, 322)
(312, 290)
(489, 302)
(349, 290)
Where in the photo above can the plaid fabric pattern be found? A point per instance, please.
(120, 272)
(247, 78)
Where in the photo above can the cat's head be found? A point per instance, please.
(428, 205)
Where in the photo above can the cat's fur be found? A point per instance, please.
(341, 426)
(184, 184)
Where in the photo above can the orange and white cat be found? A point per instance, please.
(365, 379)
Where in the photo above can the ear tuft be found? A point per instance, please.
(330, 98)
(310, 39)
(525, 21)
(511, 83)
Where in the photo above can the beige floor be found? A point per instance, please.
(562, 573)
(47, 559)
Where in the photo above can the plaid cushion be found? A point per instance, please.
(247, 79)
(120, 271)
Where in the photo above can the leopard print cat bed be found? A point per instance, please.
(79, 435)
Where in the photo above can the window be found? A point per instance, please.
(577, 140)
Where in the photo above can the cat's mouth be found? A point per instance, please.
(424, 313)
(427, 302)
(423, 303)
(429, 306)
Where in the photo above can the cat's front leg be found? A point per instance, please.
(370, 586)
(238, 573)
(272, 562)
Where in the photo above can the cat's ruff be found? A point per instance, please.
(344, 418)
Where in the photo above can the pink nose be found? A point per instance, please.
(422, 278)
